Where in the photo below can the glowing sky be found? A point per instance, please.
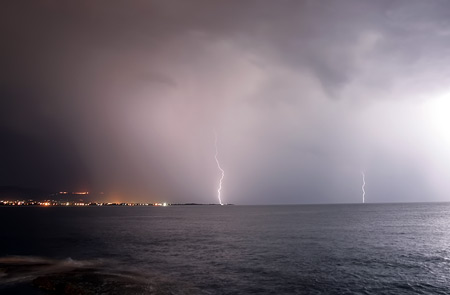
(124, 96)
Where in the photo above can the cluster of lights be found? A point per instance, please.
(17, 203)
(75, 193)
(160, 204)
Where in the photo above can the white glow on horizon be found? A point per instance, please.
(437, 111)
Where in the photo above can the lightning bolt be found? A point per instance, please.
(363, 185)
(219, 190)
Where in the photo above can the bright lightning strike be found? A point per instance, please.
(219, 190)
(363, 185)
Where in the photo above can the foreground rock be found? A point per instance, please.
(86, 282)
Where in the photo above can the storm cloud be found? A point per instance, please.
(125, 96)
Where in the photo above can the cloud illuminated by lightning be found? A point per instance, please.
(363, 185)
(219, 190)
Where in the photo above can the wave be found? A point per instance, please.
(25, 268)
(70, 276)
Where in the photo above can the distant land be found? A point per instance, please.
(14, 193)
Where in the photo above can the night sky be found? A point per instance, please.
(125, 97)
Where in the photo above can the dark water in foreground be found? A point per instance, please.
(311, 249)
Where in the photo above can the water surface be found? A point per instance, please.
(304, 249)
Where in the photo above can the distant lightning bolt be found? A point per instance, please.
(363, 185)
(219, 190)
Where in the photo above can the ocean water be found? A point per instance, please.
(301, 249)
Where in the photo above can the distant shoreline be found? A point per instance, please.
(31, 203)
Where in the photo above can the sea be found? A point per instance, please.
(288, 249)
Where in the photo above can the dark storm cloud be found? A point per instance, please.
(303, 95)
